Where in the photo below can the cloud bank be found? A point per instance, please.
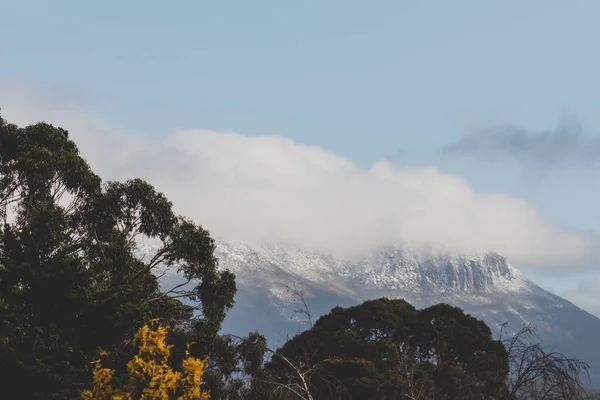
(563, 145)
(269, 188)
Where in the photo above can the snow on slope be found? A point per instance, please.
(483, 284)
(389, 270)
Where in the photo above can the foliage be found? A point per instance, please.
(70, 278)
(386, 349)
(150, 375)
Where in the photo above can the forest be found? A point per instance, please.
(83, 317)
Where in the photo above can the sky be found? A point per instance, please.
(341, 124)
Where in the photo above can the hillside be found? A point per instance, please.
(485, 285)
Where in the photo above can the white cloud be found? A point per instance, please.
(586, 295)
(271, 188)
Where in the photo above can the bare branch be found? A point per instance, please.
(180, 293)
(537, 373)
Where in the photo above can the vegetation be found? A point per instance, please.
(70, 283)
(539, 373)
(386, 349)
(82, 316)
(150, 375)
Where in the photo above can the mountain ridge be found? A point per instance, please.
(483, 284)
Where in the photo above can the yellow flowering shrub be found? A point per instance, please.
(150, 375)
(102, 389)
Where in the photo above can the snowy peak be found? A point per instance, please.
(385, 269)
(475, 273)
(483, 284)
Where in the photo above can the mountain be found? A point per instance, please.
(484, 285)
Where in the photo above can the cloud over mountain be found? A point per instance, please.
(271, 188)
(565, 144)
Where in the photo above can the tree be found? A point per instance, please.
(387, 349)
(70, 280)
(233, 360)
(537, 373)
(150, 375)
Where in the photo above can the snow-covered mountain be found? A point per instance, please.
(485, 285)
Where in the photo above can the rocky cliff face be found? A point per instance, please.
(485, 285)
(386, 269)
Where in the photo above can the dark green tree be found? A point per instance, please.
(387, 349)
(71, 282)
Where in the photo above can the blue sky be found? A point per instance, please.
(395, 80)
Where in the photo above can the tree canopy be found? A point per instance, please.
(70, 280)
(387, 349)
